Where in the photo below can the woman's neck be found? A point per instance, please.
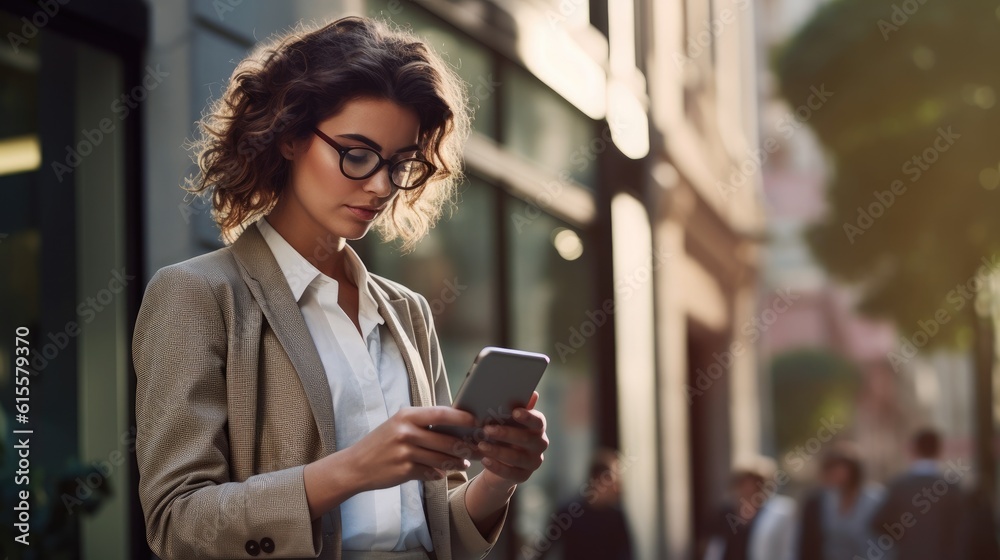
(318, 246)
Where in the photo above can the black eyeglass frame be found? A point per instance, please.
(342, 150)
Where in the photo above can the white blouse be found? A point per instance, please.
(368, 383)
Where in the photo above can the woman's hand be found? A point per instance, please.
(403, 449)
(516, 449)
(399, 450)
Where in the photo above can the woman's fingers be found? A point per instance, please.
(436, 460)
(519, 436)
(414, 431)
(513, 456)
(531, 419)
(532, 401)
(512, 451)
(404, 449)
(506, 471)
(438, 416)
(444, 443)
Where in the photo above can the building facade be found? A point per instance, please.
(705, 207)
(611, 219)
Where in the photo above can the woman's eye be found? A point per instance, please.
(360, 156)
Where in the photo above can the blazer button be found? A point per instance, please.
(267, 545)
(253, 549)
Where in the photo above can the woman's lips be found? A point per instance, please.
(366, 214)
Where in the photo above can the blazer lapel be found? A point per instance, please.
(406, 332)
(396, 313)
(270, 289)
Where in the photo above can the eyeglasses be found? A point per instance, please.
(361, 163)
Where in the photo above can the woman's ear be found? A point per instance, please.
(291, 147)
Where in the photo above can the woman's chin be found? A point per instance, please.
(355, 232)
(346, 227)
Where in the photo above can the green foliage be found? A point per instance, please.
(904, 74)
(808, 387)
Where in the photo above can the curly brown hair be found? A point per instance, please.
(298, 79)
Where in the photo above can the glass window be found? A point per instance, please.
(468, 58)
(101, 238)
(454, 267)
(20, 158)
(62, 249)
(551, 287)
(544, 128)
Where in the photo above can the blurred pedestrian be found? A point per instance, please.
(921, 516)
(759, 524)
(978, 532)
(836, 521)
(596, 525)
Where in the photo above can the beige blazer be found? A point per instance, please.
(232, 401)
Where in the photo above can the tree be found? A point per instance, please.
(812, 385)
(910, 127)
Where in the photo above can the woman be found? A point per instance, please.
(836, 521)
(276, 375)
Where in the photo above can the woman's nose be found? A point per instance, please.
(379, 183)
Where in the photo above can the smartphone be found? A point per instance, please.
(500, 380)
